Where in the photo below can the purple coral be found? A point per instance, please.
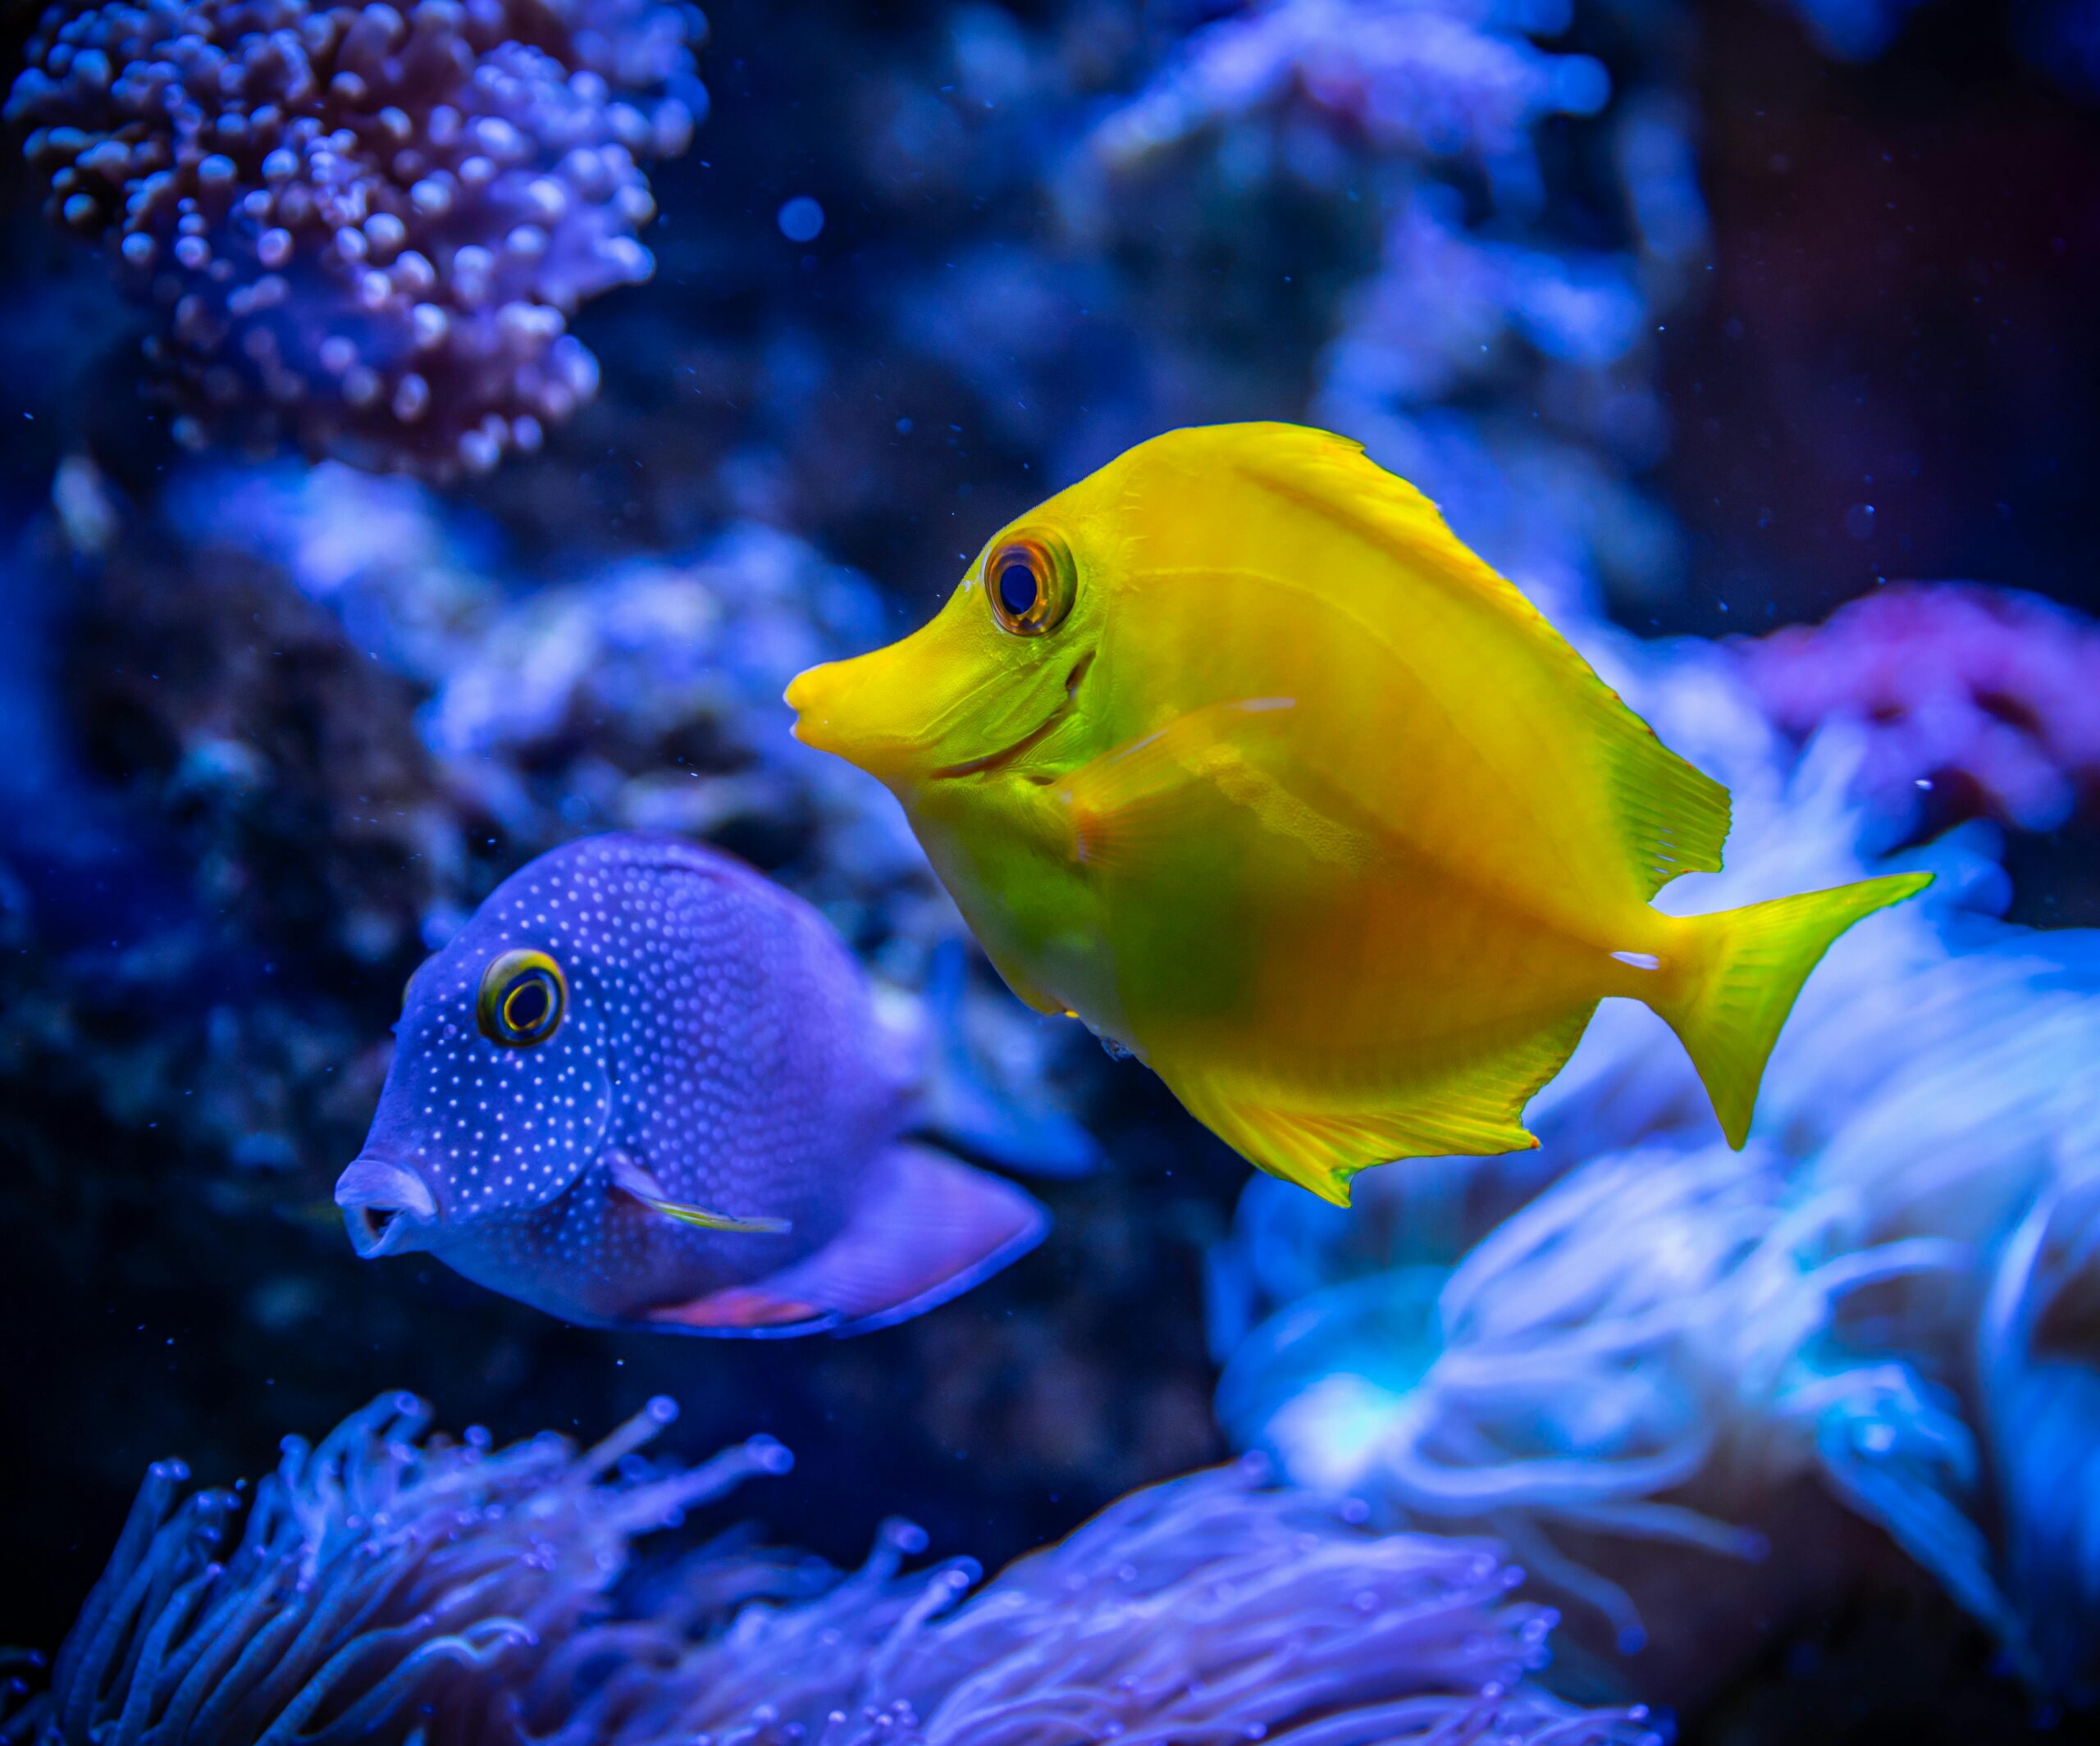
(386, 1589)
(1994, 690)
(364, 228)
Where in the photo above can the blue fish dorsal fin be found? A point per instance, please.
(631, 1179)
(926, 1228)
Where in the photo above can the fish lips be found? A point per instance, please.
(387, 1207)
(882, 713)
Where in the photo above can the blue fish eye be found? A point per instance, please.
(523, 997)
(1030, 581)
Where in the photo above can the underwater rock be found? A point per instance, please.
(644, 695)
(1436, 80)
(363, 229)
(1972, 699)
(389, 1585)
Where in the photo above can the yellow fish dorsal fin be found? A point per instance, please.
(1461, 1106)
(1672, 818)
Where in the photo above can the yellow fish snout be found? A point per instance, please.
(853, 710)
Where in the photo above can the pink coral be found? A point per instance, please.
(1992, 689)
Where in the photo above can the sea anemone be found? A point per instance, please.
(363, 228)
(1890, 1294)
(381, 1584)
(385, 1588)
(1650, 1349)
(2040, 1377)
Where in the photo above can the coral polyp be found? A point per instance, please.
(363, 229)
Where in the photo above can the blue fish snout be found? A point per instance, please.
(388, 1207)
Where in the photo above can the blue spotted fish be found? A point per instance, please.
(645, 1086)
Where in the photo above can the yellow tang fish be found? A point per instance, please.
(1234, 752)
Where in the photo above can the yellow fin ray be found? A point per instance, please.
(1675, 816)
(1475, 1108)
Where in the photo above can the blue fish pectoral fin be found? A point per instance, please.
(631, 1178)
(927, 1228)
(1128, 801)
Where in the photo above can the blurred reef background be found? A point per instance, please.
(435, 432)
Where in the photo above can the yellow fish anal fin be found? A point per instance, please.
(631, 1179)
(1474, 1109)
(1672, 817)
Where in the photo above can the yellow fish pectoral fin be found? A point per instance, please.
(1127, 800)
(1128, 804)
(1474, 1108)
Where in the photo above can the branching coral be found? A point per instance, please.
(1989, 696)
(386, 1589)
(364, 228)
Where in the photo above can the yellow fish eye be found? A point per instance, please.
(1031, 581)
(523, 997)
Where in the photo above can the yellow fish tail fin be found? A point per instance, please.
(1473, 1109)
(1747, 967)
